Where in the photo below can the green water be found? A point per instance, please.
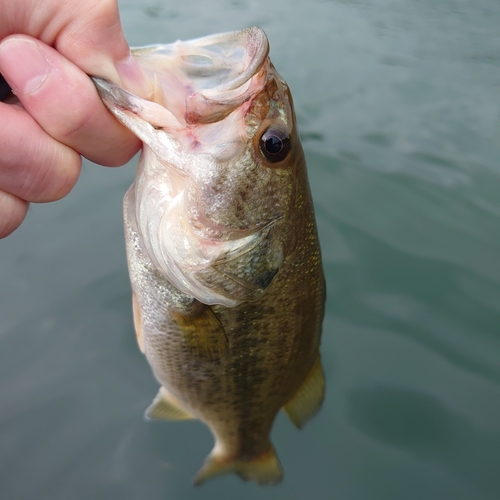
(399, 109)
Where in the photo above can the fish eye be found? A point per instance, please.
(275, 144)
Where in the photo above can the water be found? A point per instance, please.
(398, 106)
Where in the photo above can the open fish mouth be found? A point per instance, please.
(211, 76)
(200, 81)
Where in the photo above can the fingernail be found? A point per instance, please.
(23, 64)
(133, 77)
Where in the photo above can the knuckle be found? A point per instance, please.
(33, 165)
(50, 172)
(69, 124)
(58, 177)
(13, 210)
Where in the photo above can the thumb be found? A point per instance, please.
(93, 39)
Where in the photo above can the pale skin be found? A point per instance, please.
(47, 50)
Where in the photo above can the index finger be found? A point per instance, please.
(95, 42)
(64, 102)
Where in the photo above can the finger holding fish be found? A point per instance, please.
(52, 84)
(36, 170)
(63, 101)
(86, 32)
(58, 109)
(40, 169)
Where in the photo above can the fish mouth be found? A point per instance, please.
(199, 81)
(203, 80)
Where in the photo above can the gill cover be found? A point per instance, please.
(211, 212)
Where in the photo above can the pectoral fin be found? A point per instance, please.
(137, 322)
(308, 399)
(203, 332)
(166, 407)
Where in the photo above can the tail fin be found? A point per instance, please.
(264, 469)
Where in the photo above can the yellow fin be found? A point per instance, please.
(307, 401)
(203, 332)
(264, 469)
(137, 322)
(166, 407)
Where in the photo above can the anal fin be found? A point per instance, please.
(308, 398)
(166, 407)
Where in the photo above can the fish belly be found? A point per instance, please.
(271, 346)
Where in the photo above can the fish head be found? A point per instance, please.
(215, 189)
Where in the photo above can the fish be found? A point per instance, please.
(228, 289)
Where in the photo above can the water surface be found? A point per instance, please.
(399, 110)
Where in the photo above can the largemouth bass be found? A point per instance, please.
(222, 247)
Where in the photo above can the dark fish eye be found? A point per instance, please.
(275, 144)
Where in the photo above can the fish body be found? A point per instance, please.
(222, 246)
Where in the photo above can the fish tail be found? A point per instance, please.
(263, 469)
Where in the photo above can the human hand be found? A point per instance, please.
(47, 49)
